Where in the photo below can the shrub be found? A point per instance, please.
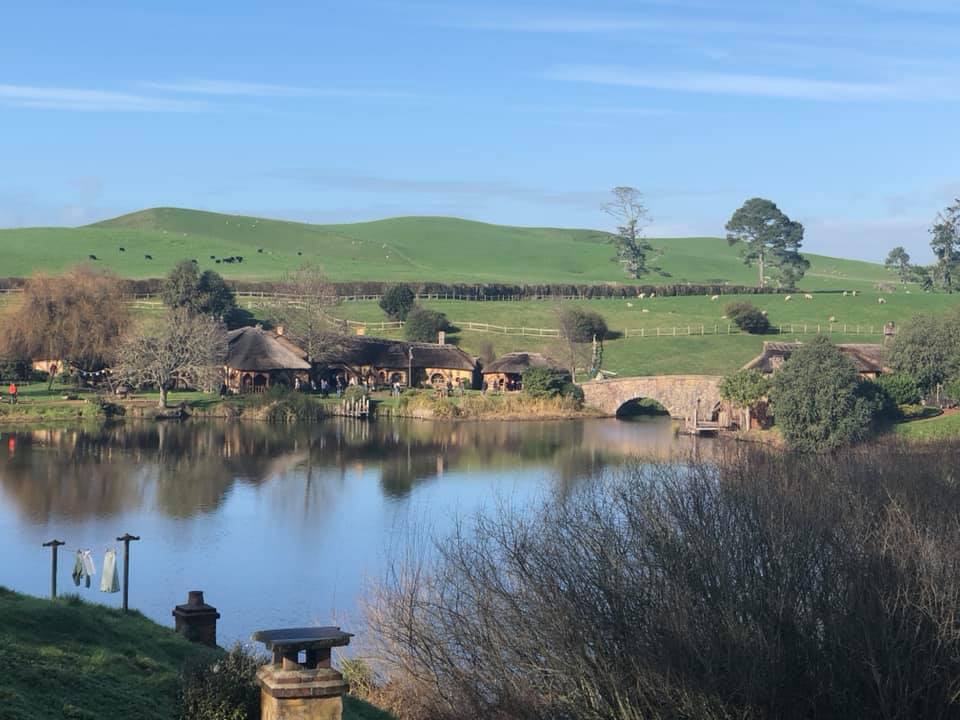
(748, 317)
(422, 325)
(817, 401)
(281, 404)
(397, 301)
(927, 349)
(14, 370)
(541, 382)
(882, 405)
(750, 585)
(225, 689)
(911, 411)
(902, 388)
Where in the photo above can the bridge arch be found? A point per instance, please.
(685, 397)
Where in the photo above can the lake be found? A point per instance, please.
(279, 525)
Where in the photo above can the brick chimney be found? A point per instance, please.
(196, 620)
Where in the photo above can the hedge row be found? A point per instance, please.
(486, 291)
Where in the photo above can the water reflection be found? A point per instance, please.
(280, 525)
(187, 469)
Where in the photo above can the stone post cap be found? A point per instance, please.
(195, 606)
(312, 638)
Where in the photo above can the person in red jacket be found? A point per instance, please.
(13, 393)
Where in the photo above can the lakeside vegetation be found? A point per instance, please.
(79, 661)
(395, 249)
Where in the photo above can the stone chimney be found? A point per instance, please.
(196, 620)
(361, 330)
(300, 684)
(280, 330)
(441, 338)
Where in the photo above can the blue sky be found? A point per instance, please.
(841, 111)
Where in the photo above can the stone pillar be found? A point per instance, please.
(300, 684)
(196, 620)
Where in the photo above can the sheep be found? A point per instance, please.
(807, 296)
(148, 257)
(788, 298)
(645, 310)
(123, 249)
(763, 312)
(259, 250)
(714, 298)
(854, 293)
(881, 301)
(92, 257)
(642, 296)
(832, 319)
(629, 304)
(845, 293)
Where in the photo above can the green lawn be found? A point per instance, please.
(407, 248)
(938, 428)
(78, 661)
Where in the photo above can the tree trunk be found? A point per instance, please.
(760, 265)
(163, 396)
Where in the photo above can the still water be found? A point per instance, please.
(279, 526)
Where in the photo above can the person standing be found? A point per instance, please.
(13, 392)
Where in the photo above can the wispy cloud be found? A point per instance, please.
(770, 86)
(229, 88)
(84, 100)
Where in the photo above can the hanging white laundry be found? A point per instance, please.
(88, 567)
(110, 580)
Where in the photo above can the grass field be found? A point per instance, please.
(710, 354)
(407, 248)
(70, 659)
(938, 428)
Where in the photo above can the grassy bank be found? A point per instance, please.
(407, 248)
(938, 428)
(73, 660)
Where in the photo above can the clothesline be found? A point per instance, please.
(84, 568)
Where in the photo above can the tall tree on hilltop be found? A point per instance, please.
(770, 239)
(945, 244)
(633, 249)
(899, 261)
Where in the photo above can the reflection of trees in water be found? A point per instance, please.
(189, 468)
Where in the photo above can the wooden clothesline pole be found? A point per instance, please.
(126, 539)
(54, 545)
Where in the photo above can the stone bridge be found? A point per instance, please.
(685, 397)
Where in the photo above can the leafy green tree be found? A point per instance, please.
(633, 249)
(927, 349)
(748, 317)
(204, 293)
(898, 260)
(582, 326)
(180, 287)
(422, 325)
(745, 389)
(816, 399)
(945, 244)
(398, 301)
(770, 239)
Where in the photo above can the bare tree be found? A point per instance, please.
(633, 249)
(75, 318)
(184, 348)
(305, 316)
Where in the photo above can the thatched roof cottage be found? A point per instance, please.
(384, 362)
(509, 369)
(868, 358)
(258, 359)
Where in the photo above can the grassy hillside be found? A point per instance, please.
(407, 248)
(69, 659)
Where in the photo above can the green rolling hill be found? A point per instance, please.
(396, 249)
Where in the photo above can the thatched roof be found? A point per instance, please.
(383, 353)
(868, 358)
(517, 363)
(256, 349)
